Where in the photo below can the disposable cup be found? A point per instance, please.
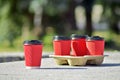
(33, 53)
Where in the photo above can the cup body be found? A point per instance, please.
(78, 47)
(33, 55)
(95, 47)
(61, 46)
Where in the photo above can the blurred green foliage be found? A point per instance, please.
(15, 15)
(10, 26)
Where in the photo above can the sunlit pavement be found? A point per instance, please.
(109, 70)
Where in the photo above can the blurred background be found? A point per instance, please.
(42, 19)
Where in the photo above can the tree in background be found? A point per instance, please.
(9, 21)
(17, 17)
(87, 5)
(58, 14)
(112, 13)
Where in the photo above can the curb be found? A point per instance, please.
(9, 57)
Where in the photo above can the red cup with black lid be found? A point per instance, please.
(61, 45)
(33, 53)
(78, 45)
(95, 45)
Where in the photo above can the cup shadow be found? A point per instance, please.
(55, 68)
(106, 65)
(110, 64)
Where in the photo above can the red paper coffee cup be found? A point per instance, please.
(95, 45)
(61, 45)
(33, 53)
(78, 45)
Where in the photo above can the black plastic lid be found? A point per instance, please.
(56, 38)
(34, 42)
(75, 36)
(95, 38)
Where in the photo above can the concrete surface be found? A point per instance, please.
(109, 70)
